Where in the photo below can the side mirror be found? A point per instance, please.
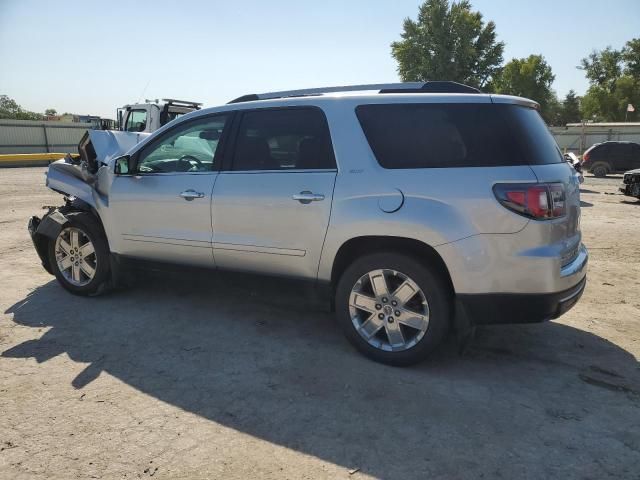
(122, 165)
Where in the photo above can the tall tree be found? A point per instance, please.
(614, 77)
(448, 42)
(631, 57)
(51, 111)
(532, 78)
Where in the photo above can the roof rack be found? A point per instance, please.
(406, 87)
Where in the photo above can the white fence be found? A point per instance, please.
(27, 136)
(577, 138)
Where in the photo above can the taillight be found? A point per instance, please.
(541, 201)
(585, 157)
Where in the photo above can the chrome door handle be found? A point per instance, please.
(308, 197)
(189, 195)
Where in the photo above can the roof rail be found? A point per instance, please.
(405, 87)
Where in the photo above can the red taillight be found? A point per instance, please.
(541, 201)
(585, 157)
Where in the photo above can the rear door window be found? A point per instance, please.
(432, 135)
(283, 139)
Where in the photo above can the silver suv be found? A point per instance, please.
(421, 205)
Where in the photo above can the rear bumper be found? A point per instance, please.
(501, 308)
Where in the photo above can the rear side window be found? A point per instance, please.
(597, 150)
(283, 139)
(432, 135)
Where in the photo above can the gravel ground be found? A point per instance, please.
(215, 377)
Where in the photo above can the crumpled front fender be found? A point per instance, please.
(45, 230)
(71, 180)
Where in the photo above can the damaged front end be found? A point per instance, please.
(631, 183)
(84, 182)
(45, 229)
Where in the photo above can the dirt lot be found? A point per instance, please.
(209, 378)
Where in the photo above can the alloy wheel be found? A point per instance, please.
(75, 256)
(389, 310)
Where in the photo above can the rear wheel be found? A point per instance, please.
(79, 255)
(392, 308)
(600, 170)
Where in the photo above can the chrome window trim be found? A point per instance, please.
(296, 170)
(171, 174)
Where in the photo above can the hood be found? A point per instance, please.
(637, 170)
(86, 179)
(101, 146)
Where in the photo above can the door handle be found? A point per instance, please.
(189, 195)
(308, 197)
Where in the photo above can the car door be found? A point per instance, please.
(163, 210)
(635, 157)
(271, 206)
(622, 157)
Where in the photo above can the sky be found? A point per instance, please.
(90, 57)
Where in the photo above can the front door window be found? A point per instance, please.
(190, 147)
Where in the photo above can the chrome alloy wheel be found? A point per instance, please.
(76, 256)
(389, 310)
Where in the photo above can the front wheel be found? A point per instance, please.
(392, 308)
(79, 255)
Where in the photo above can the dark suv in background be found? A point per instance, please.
(611, 157)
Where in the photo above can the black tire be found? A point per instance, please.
(90, 226)
(436, 290)
(600, 170)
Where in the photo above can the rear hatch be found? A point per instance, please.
(463, 156)
(544, 157)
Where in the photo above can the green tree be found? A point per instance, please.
(9, 108)
(631, 57)
(50, 111)
(603, 68)
(532, 78)
(570, 110)
(614, 77)
(448, 42)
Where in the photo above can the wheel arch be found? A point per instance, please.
(359, 246)
(46, 230)
(602, 163)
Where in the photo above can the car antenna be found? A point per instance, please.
(144, 91)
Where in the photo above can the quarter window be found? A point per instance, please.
(190, 147)
(283, 139)
(434, 135)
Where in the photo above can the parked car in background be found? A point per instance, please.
(631, 183)
(605, 158)
(419, 206)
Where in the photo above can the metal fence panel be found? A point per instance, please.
(26, 136)
(578, 138)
